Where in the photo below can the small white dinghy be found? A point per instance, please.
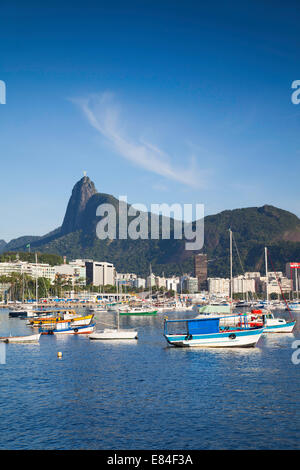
(114, 333)
(21, 339)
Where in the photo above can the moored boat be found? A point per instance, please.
(138, 311)
(207, 332)
(24, 311)
(271, 324)
(62, 316)
(114, 333)
(294, 307)
(65, 328)
(21, 339)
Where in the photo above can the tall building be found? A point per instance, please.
(190, 284)
(100, 273)
(200, 270)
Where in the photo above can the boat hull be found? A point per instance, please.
(280, 328)
(141, 313)
(48, 322)
(21, 339)
(229, 339)
(79, 330)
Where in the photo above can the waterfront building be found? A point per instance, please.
(31, 269)
(150, 281)
(173, 283)
(190, 284)
(160, 282)
(71, 273)
(273, 286)
(243, 285)
(100, 273)
(139, 283)
(200, 270)
(125, 279)
(218, 286)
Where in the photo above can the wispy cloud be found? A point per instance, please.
(104, 115)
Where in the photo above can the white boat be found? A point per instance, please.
(294, 307)
(24, 311)
(21, 339)
(98, 309)
(114, 333)
(270, 323)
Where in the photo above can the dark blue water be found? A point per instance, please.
(146, 394)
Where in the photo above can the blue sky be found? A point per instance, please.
(164, 101)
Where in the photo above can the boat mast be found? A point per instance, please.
(118, 319)
(22, 287)
(231, 284)
(267, 275)
(36, 281)
(150, 282)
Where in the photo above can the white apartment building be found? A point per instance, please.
(160, 281)
(273, 286)
(100, 273)
(139, 282)
(150, 281)
(173, 283)
(31, 269)
(218, 286)
(241, 285)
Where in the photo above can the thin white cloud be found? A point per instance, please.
(103, 114)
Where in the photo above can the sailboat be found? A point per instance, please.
(114, 333)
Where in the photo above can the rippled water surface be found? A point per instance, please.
(145, 394)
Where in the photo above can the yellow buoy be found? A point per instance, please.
(59, 354)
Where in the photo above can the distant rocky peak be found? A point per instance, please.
(83, 190)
